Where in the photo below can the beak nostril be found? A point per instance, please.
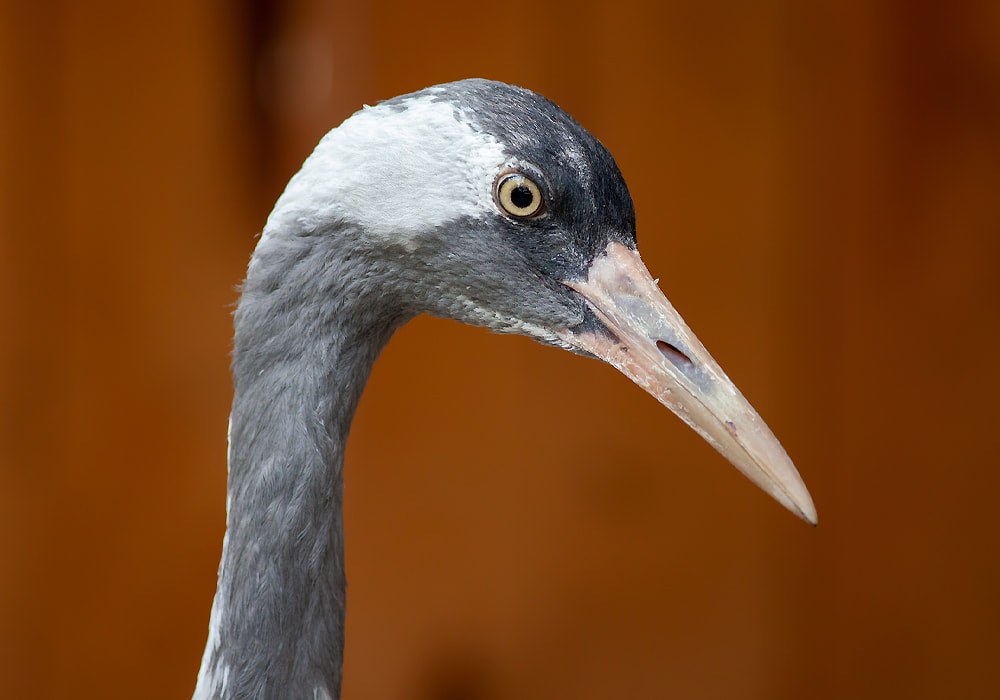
(676, 357)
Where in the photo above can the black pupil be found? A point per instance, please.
(521, 197)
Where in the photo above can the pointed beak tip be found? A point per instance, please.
(801, 505)
(809, 515)
(782, 482)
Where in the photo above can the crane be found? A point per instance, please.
(474, 200)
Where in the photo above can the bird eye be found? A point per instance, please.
(519, 196)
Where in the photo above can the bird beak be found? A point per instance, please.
(650, 344)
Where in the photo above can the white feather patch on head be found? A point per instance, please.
(394, 170)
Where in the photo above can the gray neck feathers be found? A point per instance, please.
(310, 324)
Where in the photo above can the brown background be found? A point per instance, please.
(818, 188)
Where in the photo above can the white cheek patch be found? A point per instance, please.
(395, 170)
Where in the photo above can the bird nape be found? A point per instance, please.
(473, 200)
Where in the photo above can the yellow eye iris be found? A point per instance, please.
(519, 196)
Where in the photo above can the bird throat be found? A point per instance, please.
(277, 623)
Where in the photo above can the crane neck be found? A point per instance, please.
(305, 341)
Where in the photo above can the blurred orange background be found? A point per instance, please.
(818, 189)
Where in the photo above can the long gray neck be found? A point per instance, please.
(308, 329)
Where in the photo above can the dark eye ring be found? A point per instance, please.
(519, 195)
